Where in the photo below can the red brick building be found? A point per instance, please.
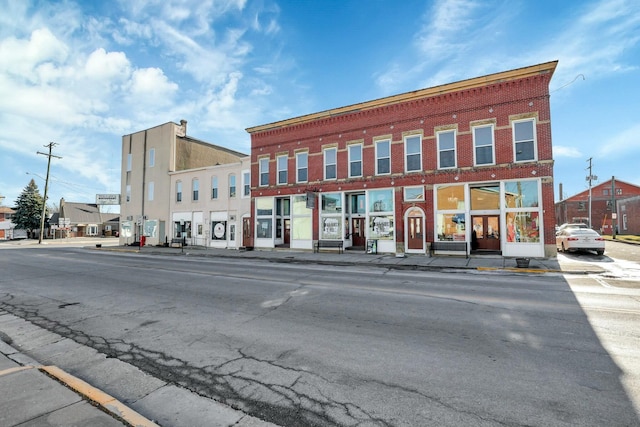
(606, 199)
(629, 216)
(467, 164)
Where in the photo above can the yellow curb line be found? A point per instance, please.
(110, 403)
(16, 369)
(519, 270)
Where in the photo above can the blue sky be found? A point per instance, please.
(84, 73)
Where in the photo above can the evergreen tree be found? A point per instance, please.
(29, 209)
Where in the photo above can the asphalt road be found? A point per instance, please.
(302, 345)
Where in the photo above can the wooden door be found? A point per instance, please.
(415, 233)
(357, 232)
(247, 235)
(485, 234)
(287, 231)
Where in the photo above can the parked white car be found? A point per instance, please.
(579, 239)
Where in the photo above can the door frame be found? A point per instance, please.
(419, 210)
(485, 215)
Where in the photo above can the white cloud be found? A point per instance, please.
(151, 85)
(101, 65)
(565, 151)
(20, 58)
(622, 144)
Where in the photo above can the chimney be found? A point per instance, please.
(183, 123)
(560, 192)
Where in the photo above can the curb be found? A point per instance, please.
(106, 402)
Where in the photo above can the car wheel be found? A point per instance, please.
(562, 249)
(601, 252)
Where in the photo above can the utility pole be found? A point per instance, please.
(46, 187)
(590, 178)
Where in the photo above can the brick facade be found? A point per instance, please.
(496, 101)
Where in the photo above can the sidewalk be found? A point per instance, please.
(37, 395)
(419, 262)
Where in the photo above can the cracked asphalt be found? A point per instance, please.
(317, 346)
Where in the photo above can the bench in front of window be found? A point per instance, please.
(177, 242)
(449, 248)
(329, 244)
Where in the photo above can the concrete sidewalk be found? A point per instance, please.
(419, 262)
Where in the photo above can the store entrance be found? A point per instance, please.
(485, 235)
(358, 239)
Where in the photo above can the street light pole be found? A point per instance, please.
(46, 187)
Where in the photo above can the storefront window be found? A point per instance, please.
(523, 227)
(485, 197)
(264, 228)
(381, 200)
(332, 203)
(451, 197)
(450, 227)
(151, 228)
(521, 194)
(381, 227)
(331, 228)
(358, 204)
(300, 206)
(264, 206)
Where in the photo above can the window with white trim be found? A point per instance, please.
(302, 167)
(195, 186)
(232, 185)
(214, 187)
(383, 157)
(524, 140)
(413, 153)
(483, 152)
(355, 160)
(281, 166)
(330, 163)
(446, 149)
(414, 194)
(246, 184)
(178, 191)
(264, 171)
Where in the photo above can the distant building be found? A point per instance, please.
(605, 201)
(149, 160)
(465, 166)
(629, 216)
(209, 204)
(6, 226)
(82, 220)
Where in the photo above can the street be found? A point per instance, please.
(308, 345)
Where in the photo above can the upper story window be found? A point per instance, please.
(413, 153)
(152, 157)
(214, 187)
(128, 196)
(355, 160)
(195, 185)
(446, 149)
(246, 183)
(302, 167)
(264, 171)
(330, 160)
(129, 161)
(232, 185)
(524, 140)
(150, 190)
(178, 191)
(414, 194)
(483, 153)
(383, 157)
(282, 162)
